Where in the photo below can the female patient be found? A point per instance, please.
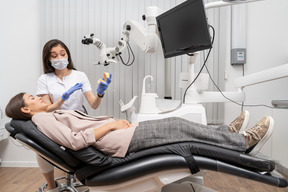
(116, 138)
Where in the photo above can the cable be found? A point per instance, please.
(133, 58)
(204, 64)
(243, 74)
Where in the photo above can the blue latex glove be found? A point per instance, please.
(67, 94)
(103, 86)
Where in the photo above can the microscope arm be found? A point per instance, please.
(262, 76)
(224, 3)
(145, 38)
(107, 55)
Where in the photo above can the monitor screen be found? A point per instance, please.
(184, 29)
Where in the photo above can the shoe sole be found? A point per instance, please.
(245, 122)
(260, 144)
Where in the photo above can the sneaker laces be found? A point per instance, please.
(235, 123)
(253, 133)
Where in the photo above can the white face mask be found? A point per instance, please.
(60, 63)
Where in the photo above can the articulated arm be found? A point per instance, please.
(262, 76)
(224, 3)
(145, 38)
(107, 55)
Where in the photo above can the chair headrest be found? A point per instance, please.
(21, 126)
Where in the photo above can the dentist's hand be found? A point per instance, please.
(103, 85)
(67, 94)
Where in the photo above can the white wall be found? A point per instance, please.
(22, 41)
(20, 65)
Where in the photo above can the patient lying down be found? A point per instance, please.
(76, 130)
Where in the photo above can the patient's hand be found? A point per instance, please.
(120, 124)
(103, 130)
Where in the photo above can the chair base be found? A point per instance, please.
(70, 184)
(151, 183)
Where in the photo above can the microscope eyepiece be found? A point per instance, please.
(87, 41)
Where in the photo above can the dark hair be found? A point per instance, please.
(47, 67)
(13, 108)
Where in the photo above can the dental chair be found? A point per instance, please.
(146, 170)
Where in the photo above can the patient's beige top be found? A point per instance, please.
(75, 130)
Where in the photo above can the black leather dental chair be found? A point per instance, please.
(145, 170)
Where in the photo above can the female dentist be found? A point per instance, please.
(60, 75)
(60, 87)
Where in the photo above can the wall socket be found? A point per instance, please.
(238, 56)
(3, 134)
(1, 114)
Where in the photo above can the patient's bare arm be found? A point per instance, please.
(119, 124)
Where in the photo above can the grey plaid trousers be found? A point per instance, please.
(170, 130)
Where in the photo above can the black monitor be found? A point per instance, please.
(184, 29)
